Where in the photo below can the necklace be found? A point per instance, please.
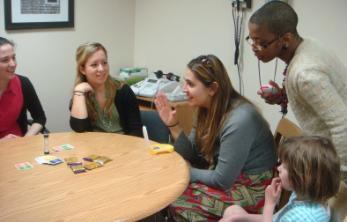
(284, 100)
(275, 72)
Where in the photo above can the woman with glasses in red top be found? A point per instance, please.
(230, 148)
(17, 96)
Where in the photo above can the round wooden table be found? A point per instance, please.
(134, 185)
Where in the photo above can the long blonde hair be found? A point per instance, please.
(83, 53)
(209, 69)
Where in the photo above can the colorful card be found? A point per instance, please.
(24, 166)
(91, 157)
(72, 161)
(76, 169)
(102, 160)
(63, 147)
(91, 165)
(48, 159)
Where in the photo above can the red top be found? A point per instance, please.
(11, 103)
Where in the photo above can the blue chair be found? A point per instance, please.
(157, 131)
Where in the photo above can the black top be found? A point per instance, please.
(128, 110)
(32, 104)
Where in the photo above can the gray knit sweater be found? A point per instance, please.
(244, 145)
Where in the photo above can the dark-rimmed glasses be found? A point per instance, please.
(260, 46)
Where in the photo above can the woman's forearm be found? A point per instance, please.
(79, 107)
(34, 129)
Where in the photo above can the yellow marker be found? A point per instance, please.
(161, 148)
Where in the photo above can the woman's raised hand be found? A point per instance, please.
(165, 110)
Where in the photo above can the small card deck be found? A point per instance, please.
(63, 147)
(72, 161)
(91, 165)
(77, 169)
(24, 166)
(75, 165)
(48, 159)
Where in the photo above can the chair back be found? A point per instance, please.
(157, 130)
(338, 205)
(285, 129)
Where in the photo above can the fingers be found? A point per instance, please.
(274, 84)
(85, 87)
(277, 187)
(276, 180)
(160, 100)
(10, 136)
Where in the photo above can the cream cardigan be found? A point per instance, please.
(316, 87)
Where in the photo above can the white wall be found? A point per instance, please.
(47, 56)
(158, 34)
(168, 33)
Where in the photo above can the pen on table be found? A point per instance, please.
(145, 134)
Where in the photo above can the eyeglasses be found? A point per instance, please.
(169, 76)
(260, 46)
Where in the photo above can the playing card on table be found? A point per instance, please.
(23, 166)
(48, 159)
(63, 147)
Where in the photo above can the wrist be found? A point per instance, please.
(79, 90)
(78, 93)
(269, 206)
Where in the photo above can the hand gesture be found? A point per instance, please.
(272, 98)
(84, 87)
(9, 136)
(166, 112)
(273, 192)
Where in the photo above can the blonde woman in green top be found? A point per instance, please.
(99, 102)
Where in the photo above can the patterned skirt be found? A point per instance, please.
(202, 203)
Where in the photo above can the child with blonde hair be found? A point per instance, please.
(310, 168)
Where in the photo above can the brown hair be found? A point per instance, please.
(311, 161)
(209, 69)
(4, 41)
(83, 53)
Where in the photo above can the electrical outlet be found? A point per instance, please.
(242, 4)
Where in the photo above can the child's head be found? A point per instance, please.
(313, 167)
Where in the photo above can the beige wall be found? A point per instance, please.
(46, 56)
(169, 33)
(159, 34)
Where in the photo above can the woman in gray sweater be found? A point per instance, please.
(230, 148)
